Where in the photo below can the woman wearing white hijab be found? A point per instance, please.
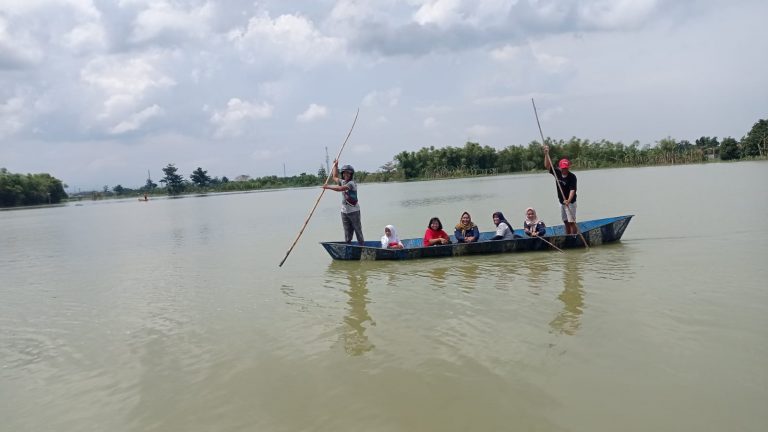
(390, 240)
(532, 225)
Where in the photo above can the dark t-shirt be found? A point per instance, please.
(568, 183)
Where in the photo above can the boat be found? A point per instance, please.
(595, 232)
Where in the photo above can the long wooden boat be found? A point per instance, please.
(595, 232)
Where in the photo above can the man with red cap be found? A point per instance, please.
(566, 190)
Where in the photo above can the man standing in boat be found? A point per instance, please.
(350, 208)
(566, 190)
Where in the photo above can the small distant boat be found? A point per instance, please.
(595, 232)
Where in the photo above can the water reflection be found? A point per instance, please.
(537, 265)
(568, 321)
(468, 274)
(357, 320)
(437, 274)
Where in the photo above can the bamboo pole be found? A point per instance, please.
(549, 243)
(560, 188)
(311, 212)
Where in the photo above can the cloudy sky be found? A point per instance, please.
(97, 92)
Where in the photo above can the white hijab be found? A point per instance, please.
(531, 222)
(393, 238)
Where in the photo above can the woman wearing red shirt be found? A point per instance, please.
(435, 234)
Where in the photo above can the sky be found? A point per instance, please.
(101, 92)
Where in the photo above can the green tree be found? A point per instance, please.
(322, 174)
(707, 142)
(756, 141)
(729, 149)
(200, 177)
(387, 170)
(407, 164)
(174, 182)
(149, 186)
(29, 189)
(118, 190)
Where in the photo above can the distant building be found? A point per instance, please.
(242, 178)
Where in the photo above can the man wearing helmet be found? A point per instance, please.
(350, 209)
(567, 186)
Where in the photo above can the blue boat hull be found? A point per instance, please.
(595, 232)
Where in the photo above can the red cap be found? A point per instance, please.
(564, 164)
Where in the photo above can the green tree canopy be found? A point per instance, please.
(200, 177)
(756, 141)
(707, 142)
(149, 186)
(173, 181)
(29, 189)
(729, 149)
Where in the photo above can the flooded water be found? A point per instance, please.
(172, 315)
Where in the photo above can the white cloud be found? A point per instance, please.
(439, 12)
(430, 122)
(165, 19)
(84, 9)
(232, 120)
(354, 10)
(125, 81)
(312, 113)
(292, 38)
(388, 98)
(18, 47)
(85, 37)
(28, 28)
(550, 63)
(137, 119)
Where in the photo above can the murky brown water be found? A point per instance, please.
(172, 315)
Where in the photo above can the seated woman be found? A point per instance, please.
(466, 230)
(503, 228)
(390, 240)
(532, 225)
(435, 236)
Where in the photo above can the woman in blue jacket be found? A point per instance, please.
(466, 230)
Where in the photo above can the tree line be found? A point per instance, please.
(473, 160)
(427, 163)
(29, 189)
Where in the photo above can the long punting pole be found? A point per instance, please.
(322, 191)
(560, 188)
(547, 242)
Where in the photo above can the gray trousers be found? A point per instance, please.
(352, 224)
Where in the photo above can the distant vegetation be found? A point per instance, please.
(427, 163)
(474, 160)
(29, 189)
